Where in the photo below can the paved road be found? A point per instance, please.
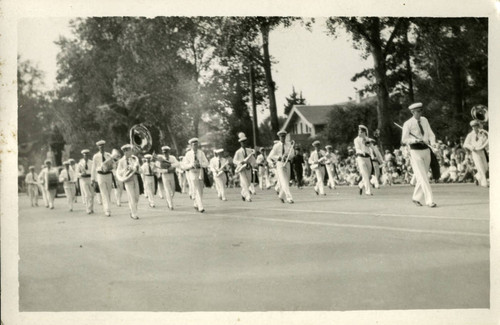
(339, 252)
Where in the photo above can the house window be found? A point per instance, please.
(300, 128)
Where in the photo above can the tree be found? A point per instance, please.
(34, 116)
(249, 38)
(375, 37)
(451, 57)
(294, 99)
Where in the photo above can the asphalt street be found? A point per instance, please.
(339, 252)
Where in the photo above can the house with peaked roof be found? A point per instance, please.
(305, 122)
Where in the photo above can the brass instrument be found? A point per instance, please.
(140, 138)
(108, 165)
(480, 113)
(221, 169)
(243, 163)
(292, 145)
(130, 171)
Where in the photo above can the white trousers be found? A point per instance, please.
(283, 171)
(420, 162)
(320, 176)
(70, 191)
(375, 178)
(220, 185)
(132, 188)
(331, 175)
(168, 181)
(33, 193)
(245, 179)
(45, 196)
(118, 191)
(481, 164)
(264, 175)
(105, 186)
(365, 168)
(197, 187)
(87, 193)
(149, 188)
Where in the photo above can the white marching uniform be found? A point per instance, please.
(50, 191)
(181, 175)
(263, 172)
(68, 177)
(477, 144)
(119, 187)
(147, 171)
(319, 169)
(132, 185)
(279, 153)
(218, 164)
(195, 174)
(364, 163)
(377, 160)
(331, 160)
(41, 186)
(104, 179)
(83, 170)
(32, 187)
(420, 156)
(168, 179)
(246, 173)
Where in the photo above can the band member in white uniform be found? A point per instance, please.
(189, 181)
(273, 167)
(68, 178)
(102, 176)
(282, 153)
(127, 171)
(148, 175)
(363, 159)
(377, 161)
(477, 141)
(181, 175)
(32, 186)
(41, 186)
(72, 164)
(317, 162)
(118, 190)
(167, 165)
(194, 162)
(330, 162)
(83, 170)
(263, 169)
(218, 167)
(50, 179)
(244, 159)
(417, 133)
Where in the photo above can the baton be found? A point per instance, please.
(413, 135)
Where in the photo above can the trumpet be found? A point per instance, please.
(243, 163)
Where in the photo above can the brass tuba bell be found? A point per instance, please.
(140, 138)
(480, 113)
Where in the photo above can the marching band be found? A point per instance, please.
(105, 171)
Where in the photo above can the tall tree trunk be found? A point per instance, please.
(458, 91)
(254, 107)
(409, 74)
(383, 120)
(269, 78)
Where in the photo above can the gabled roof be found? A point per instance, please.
(318, 114)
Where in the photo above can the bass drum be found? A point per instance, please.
(52, 180)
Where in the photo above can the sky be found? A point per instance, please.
(311, 61)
